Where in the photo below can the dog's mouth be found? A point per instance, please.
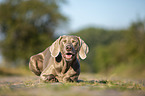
(69, 56)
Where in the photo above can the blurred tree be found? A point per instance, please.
(27, 26)
(135, 46)
(128, 51)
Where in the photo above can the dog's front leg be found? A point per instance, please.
(48, 75)
(71, 76)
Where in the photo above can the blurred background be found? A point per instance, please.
(113, 29)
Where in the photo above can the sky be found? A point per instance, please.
(112, 14)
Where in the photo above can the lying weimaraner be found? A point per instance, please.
(60, 61)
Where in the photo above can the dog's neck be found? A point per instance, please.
(66, 64)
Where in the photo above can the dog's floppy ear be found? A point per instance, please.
(55, 47)
(84, 49)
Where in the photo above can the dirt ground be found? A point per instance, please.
(89, 85)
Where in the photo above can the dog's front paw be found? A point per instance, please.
(49, 78)
(67, 79)
(54, 80)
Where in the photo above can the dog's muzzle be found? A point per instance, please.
(69, 53)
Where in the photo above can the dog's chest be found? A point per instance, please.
(62, 67)
(58, 68)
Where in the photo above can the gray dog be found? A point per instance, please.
(60, 61)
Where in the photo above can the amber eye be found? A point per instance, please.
(64, 41)
(73, 41)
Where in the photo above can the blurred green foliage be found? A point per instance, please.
(112, 49)
(27, 26)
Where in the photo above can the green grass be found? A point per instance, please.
(30, 86)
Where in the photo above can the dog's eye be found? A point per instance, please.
(64, 41)
(73, 41)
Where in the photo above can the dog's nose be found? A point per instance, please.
(68, 48)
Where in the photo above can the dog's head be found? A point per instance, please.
(69, 46)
